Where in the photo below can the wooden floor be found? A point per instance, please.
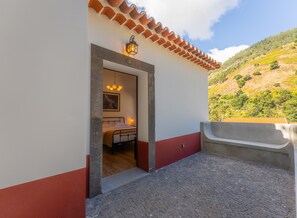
(121, 160)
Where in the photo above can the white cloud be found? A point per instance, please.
(192, 17)
(225, 54)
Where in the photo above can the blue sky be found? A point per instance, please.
(250, 22)
(222, 28)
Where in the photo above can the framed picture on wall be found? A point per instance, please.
(111, 102)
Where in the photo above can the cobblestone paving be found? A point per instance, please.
(202, 185)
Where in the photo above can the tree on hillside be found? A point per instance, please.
(290, 110)
(281, 96)
(276, 85)
(240, 83)
(218, 106)
(262, 105)
(239, 100)
(274, 65)
(247, 77)
(257, 73)
(237, 77)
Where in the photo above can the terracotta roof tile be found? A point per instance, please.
(161, 41)
(166, 32)
(172, 47)
(167, 44)
(128, 15)
(147, 33)
(173, 37)
(159, 29)
(152, 24)
(107, 11)
(177, 50)
(154, 37)
(182, 53)
(96, 5)
(176, 40)
(115, 3)
(139, 29)
(144, 20)
(120, 18)
(125, 8)
(130, 24)
(135, 14)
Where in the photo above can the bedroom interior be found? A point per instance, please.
(119, 122)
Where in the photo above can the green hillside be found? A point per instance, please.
(260, 81)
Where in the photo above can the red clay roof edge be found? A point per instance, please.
(149, 28)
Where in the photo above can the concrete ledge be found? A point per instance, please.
(265, 143)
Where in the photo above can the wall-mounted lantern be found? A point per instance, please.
(132, 46)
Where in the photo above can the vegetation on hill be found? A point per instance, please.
(276, 103)
(260, 81)
(251, 53)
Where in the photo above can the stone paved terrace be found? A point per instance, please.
(202, 185)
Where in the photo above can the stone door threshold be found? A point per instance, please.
(120, 179)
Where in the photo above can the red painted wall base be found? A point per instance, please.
(142, 156)
(87, 175)
(170, 150)
(62, 195)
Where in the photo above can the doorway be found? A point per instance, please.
(103, 58)
(119, 122)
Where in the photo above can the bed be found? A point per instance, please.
(117, 132)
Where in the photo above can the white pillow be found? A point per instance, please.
(108, 124)
(121, 125)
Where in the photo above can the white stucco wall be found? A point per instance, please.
(44, 89)
(180, 85)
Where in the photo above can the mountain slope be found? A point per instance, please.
(267, 68)
(251, 53)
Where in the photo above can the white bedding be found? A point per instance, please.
(117, 138)
(116, 126)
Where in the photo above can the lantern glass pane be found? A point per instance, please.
(132, 48)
